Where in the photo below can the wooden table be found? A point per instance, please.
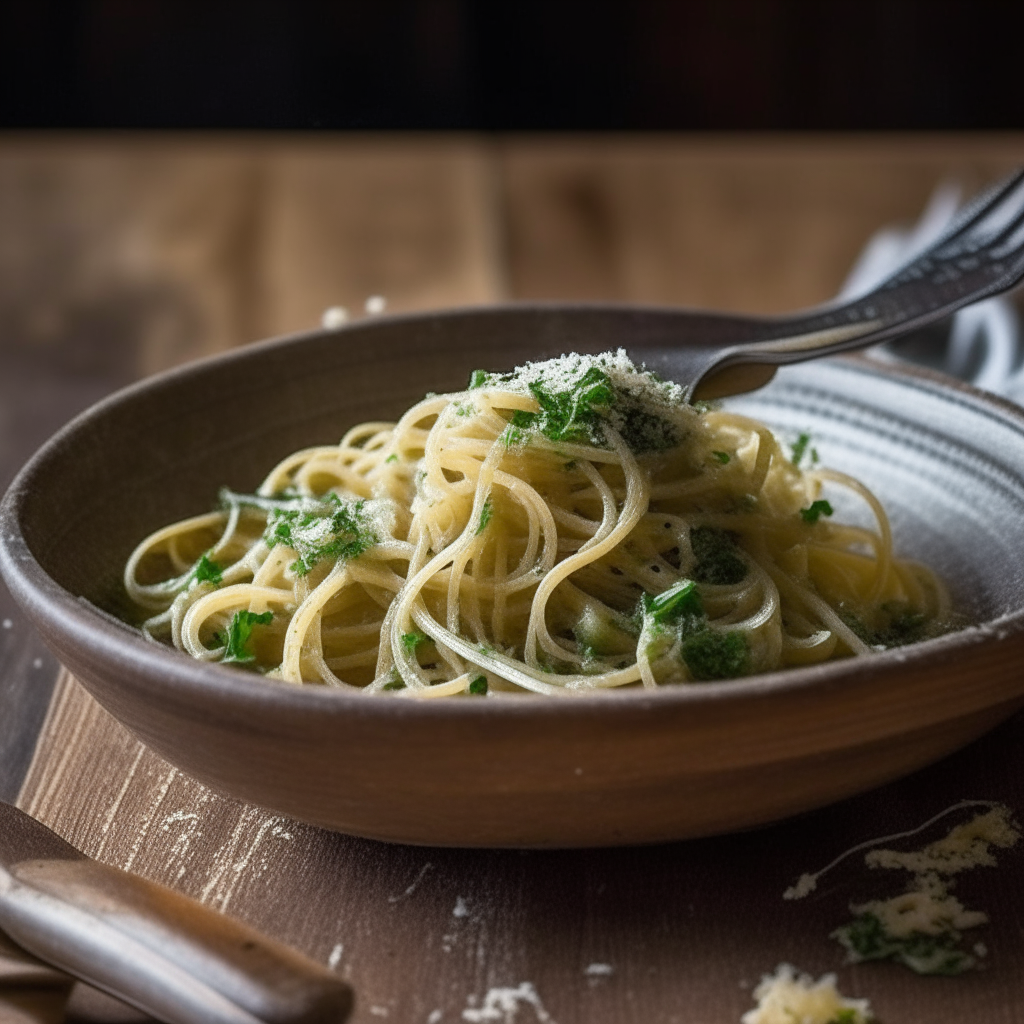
(121, 256)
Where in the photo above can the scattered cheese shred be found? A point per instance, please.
(789, 997)
(501, 1006)
(966, 846)
(922, 927)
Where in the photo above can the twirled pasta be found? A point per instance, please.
(568, 527)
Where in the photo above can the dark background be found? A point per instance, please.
(512, 65)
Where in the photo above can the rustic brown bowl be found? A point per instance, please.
(608, 768)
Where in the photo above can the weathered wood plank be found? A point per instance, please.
(412, 221)
(754, 225)
(685, 928)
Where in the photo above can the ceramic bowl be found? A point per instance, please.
(599, 769)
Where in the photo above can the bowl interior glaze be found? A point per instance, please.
(609, 768)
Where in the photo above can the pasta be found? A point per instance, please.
(568, 527)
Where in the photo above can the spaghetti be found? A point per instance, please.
(570, 526)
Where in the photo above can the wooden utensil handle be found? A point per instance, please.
(160, 951)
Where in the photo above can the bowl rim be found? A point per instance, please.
(177, 676)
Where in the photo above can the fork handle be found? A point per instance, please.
(160, 951)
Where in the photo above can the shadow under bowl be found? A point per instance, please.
(597, 769)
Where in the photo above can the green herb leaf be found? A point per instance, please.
(866, 938)
(710, 654)
(847, 1015)
(723, 457)
(391, 458)
(331, 528)
(674, 603)
(799, 449)
(478, 686)
(485, 515)
(641, 429)
(572, 415)
(717, 556)
(895, 625)
(411, 641)
(817, 509)
(207, 571)
(518, 427)
(478, 379)
(236, 648)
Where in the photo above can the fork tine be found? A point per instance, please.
(996, 220)
(988, 203)
(996, 223)
(979, 208)
(988, 229)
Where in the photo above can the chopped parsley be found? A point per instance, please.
(707, 653)
(644, 431)
(866, 938)
(723, 457)
(478, 686)
(716, 556)
(330, 528)
(485, 515)
(816, 511)
(517, 430)
(847, 1015)
(570, 414)
(673, 604)
(207, 571)
(895, 625)
(395, 682)
(799, 449)
(239, 635)
(710, 654)
(391, 458)
(579, 395)
(413, 641)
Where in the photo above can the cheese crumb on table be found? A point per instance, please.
(966, 846)
(922, 927)
(789, 997)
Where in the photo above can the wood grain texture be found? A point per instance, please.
(122, 257)
(413, 222)
(685, 929)
(757, 226)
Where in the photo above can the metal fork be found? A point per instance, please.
(981, 254)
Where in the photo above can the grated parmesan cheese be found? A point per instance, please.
(788, 997)
(648, 411)
(926, 909)
(921, 927)
(501, 1006)
(967, 846)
